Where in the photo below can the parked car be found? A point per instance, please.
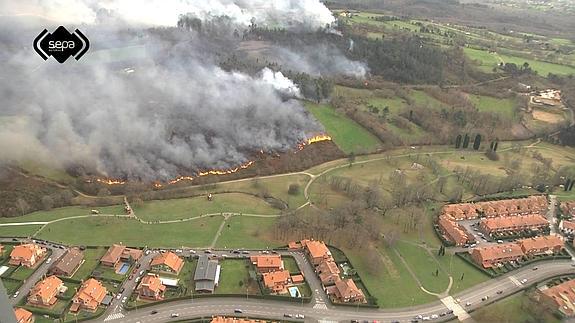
(245, 252)
(16, 294)
(434, 316)
(207, 251)
(468, 304)
(499, 292)
(300, 316)
(523, 281)
(175, 315)
(48, 260)
(154, 312)
(287, 315)
(450, 312)
(535, 268)
(237, 310)
(484, 298)
(499, 241)
(124, 299)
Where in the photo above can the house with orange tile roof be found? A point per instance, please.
(297, 279)
(23, 316)
(346, 291)
(45, 291)
(317, 251)
(167, 262)
(294, 245)
(27, 255)
(89, 296)
(513, 224)
(267, 263)
(560, 297)
(567, 226)
(568, 209)
(277, 281)
(541, 245)
(454, 232)
(491, 256)
(328, 272)
(117, 253)
(151, 288)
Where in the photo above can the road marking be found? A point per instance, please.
(515, 281)
(458, 311)
(320, 306)
(114, 317)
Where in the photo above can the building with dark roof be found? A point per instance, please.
(207, 275)
(68, 264)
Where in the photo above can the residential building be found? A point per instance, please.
(45, 291)
(267, 263)
(491, 256)
(328, 272)
(317, 251)
(513, 224)
(541, 245)
(167, 262)
(297, 279)
(151, 288)
(27, 255)
(89, 296)
(345, 291)
(68, 264)
(568, 209)
(23, 316)
(117, 253)
(454, 232)
(207, 275)
(458, 212)
(277, 281)
(567, 227)
(560, 297)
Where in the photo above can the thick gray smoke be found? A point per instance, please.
(170, 111)
(309, 14)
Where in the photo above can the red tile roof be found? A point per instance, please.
(564, 296)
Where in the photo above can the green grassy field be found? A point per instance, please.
(22, 273)
(513, 309)
(290, 265)
(19, 231)
(64, 212)
(106, 231)
(11, 286)
(192, 207)
(464, 275)
(423, 99)
(385, 284)
(504, 107)
(486, 61)
(347, 135)
(247, 232)
(424, 266)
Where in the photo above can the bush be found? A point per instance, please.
(293, 189)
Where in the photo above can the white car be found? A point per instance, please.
(434, 316)
(48, 260)
(300, 316)
(426, 318)
(119, 296)
(124, 299)
(523, 281)
(16, 294)
(175, 315)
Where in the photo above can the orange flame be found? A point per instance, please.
(309, 141)
(109, 181)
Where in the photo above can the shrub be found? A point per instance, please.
(293, 189)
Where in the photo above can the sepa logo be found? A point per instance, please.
(61, 44)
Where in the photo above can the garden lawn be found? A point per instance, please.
(19, 231)
(63, 212)
(386, 283)
(458, 268)
(346, 133)
(100, 231)
(11, 286)
(110, 273)
(91, 259)
(232, 273)
(247, 232)
(291, 265)
(513, 309)
(22, 273)
(162, 210)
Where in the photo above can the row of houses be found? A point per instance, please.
(536, 204)
(152, 286)
(498, 217)
(338, 289)
(89, 296)
(274, 276)
(495, 255)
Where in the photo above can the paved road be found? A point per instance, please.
(40, 271)
(206, 307)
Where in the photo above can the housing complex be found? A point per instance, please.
(27, 255)
(338, 289)
(44, 293)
